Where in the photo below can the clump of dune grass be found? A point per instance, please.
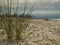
(6, 20)
(14, 24)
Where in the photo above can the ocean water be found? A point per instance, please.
(50, 14)
(46, 14)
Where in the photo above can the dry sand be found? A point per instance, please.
(41, 32)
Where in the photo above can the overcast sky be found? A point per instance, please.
(43, 5)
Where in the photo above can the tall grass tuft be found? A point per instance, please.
(7, 20)
(14, 24)
(16, 11)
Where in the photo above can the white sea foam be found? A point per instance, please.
(54, 19)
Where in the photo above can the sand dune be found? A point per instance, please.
(42, 33)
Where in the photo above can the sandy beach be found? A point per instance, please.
(42, 33)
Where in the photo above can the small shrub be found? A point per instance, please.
(46, 19)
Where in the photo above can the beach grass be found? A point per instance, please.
(14, 24)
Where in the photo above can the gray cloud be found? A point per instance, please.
(42, 4)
